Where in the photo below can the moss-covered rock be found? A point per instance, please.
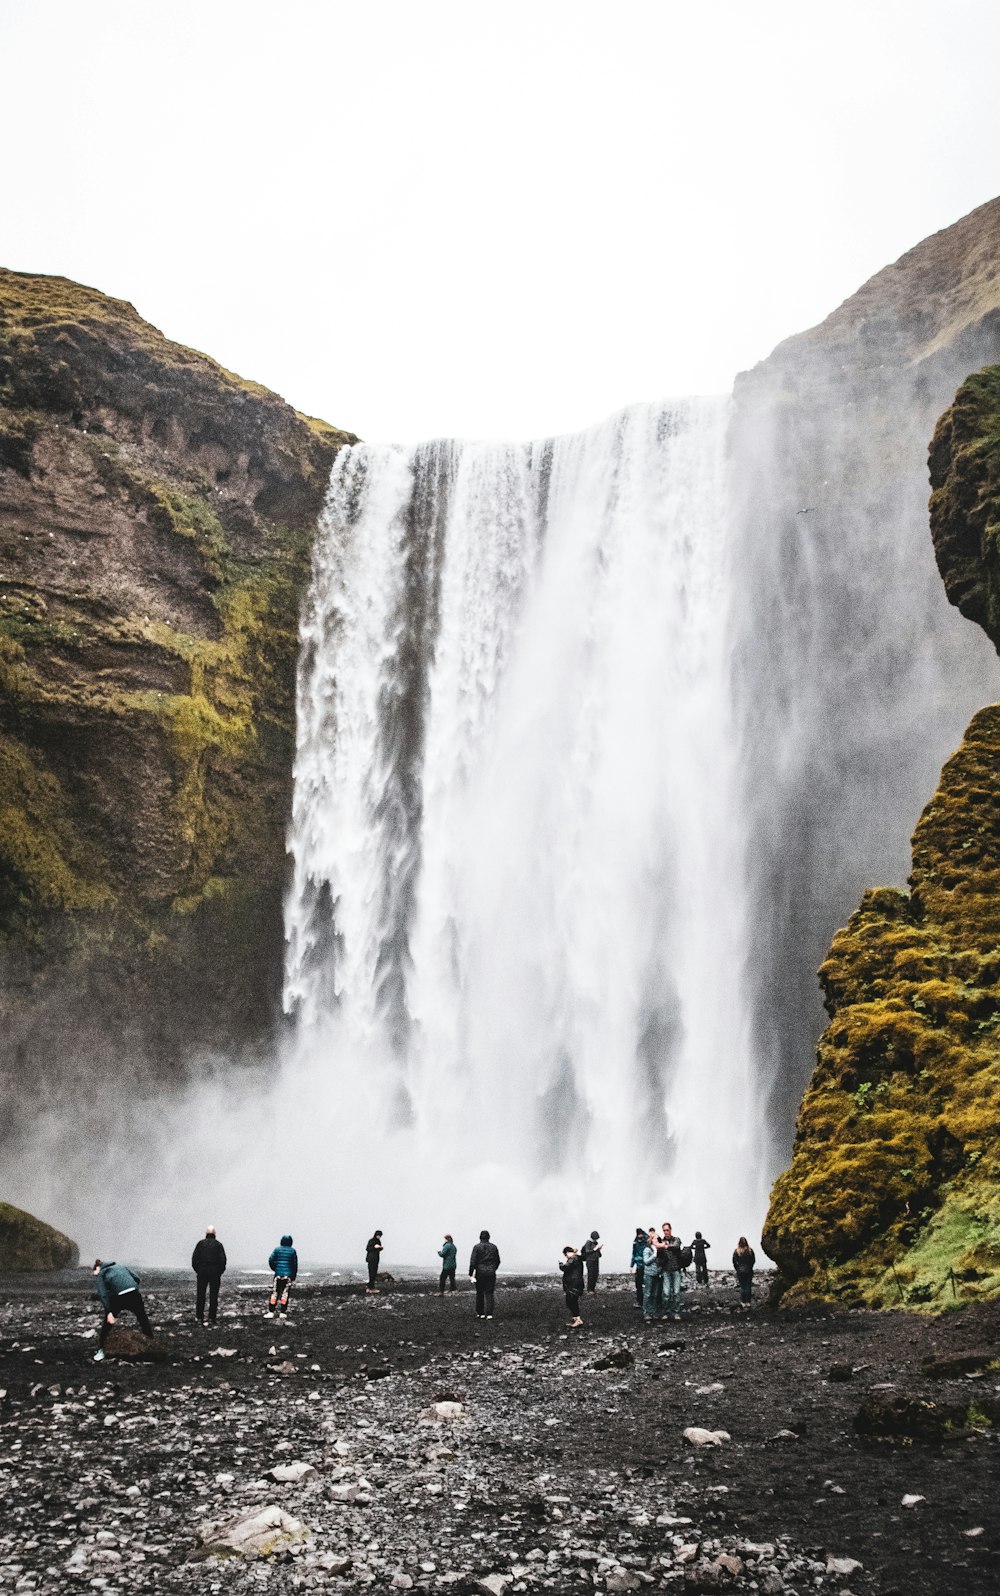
(156, 516)
(893, 1194)
(28, 1244)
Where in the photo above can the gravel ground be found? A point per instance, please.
(557, 1474)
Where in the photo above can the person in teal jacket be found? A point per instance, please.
(118, 1289)
(448, 1255)
(284, 1261)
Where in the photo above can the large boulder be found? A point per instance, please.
(28, 1244)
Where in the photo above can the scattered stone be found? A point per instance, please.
(976, 1530)
(494, 1584)
(840, 1372)
(783, 1435)
(621, 1359)
(699, 1437)
(443, 1412)
(124, 1342)
(289, 1473)
(709, 1390)
(911, 1501)
(770, 1582)
(402, 1582)
(621, 1580)
(953, 1365)
(258, 1532)
(842, 1566)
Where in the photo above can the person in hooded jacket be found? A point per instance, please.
(744, 1259)
(637, 1266)
(572, 1273)
(591, 1254)
(118, 1289)
(448, 1255)
(209, 1264)
(284, 1263)
(483, 1265)
(652, 1291)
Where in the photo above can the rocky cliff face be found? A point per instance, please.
(856, 676)
(895, 1177)
(156, 514)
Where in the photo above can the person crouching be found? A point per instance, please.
(118, 1289)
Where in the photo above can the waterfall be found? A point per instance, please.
(516, 930)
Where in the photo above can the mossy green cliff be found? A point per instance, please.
(893, 1194)
(156, 515)
(28, 1244)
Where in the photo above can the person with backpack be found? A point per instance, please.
(284, 1265)
(209, 1264)
(373, 1254)
(572, 1273)
(671, 1267)
(118, 1289)
(448, 1255)
(483, 1266)
(699, 1247)
(637, 1266)
(591, 1255)
(744, 1259)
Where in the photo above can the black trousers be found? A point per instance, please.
(593, 1270)
(745, 1283)
(640, 1280)
(486, 1285)
(128, 1302)
(701, 1272)
(209, 1284)
(447, 1278)
(280, 1293)
(372, 1270)
(573, 1304)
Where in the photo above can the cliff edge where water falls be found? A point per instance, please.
(893, 1194)
(156, 518)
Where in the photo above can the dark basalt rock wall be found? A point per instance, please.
(856, 678)
(156, 516)
(895, 1176)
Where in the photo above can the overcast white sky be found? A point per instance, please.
(423, 217)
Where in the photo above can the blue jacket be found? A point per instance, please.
(637, 1261)
(448, 1255)
(284, 1262)
(113, 1282)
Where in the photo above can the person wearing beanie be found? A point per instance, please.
(483, 1264)
(590, 1252)
(209, 1264)
(284, 1265)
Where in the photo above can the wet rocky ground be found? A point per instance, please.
(445, 1453)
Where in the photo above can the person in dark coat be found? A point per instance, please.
(483, 1265)
(448, 1255)
(572, 1273)
(670, 1263)
(373, 1253)
(284, 1262)
(699, 1247)
(591, 1254)
(118, 1289)
(209, 1264)
(636, 1265)
(744, 1259)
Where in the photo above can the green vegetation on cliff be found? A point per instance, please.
(893, 1194)
(28, 1244)
(156, 516)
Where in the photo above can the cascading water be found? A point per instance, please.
(516, 932)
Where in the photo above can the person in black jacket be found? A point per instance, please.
(373, 1254)
(699, 1247)
(591, 1255)
(483, 1264)
(572, 1273)
(744, 1259)
(209, 1264)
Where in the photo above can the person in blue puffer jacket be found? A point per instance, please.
(284, 1261)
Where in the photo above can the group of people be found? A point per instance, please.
(657, 1264)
